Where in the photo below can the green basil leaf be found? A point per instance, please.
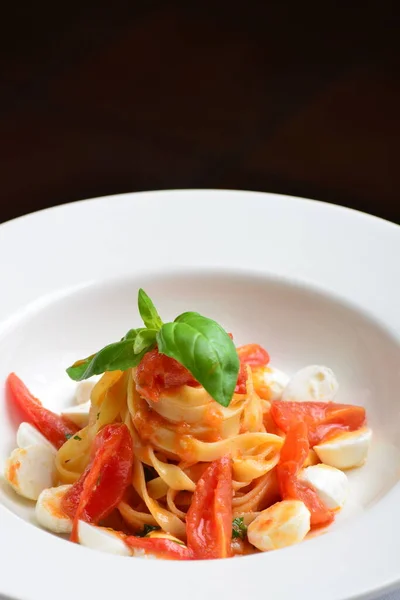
(206, 350)
(148, 311)
(145, 339)
(117, 356)
(78, 369)
(131, 335)
(239, 529)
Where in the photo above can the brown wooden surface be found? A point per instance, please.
(298, 98)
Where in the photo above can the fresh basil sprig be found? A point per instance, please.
(126, 353)
(148, 311)
(118, 356)
(198, 343)
(206, 350)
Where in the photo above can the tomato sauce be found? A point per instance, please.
(13, 472)
(157, 372)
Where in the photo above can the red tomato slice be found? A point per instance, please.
(253, 355)
(323, 419)
(54, 428)
(160, 547)
(102, 485)
(157, 372)
(209, 518)
(296, 447)
(242, 380)
(293, 455)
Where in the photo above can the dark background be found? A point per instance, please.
(297, 98)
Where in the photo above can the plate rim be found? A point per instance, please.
(215, 569)
(196, 190)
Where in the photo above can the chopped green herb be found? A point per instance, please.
(77, 437)
(239, 529)
(98, 416)
(147, 529)
(68, 436)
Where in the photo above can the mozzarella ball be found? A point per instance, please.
(283, 524)
(78, 414)
(27, 435)
(84, 390)
(346, 450)
(269, 382)
(102, 539)
(30, 470)
(48, 510)
(330, 484)
(312, 384)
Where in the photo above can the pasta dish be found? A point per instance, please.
(181, 445)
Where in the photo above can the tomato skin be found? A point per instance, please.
(157, 372)
(54, 428)
(103, 483)
(209, 518)
(293, 455)
(323, 419)
(223, 507)
(162, 547)
(242, 380)
(296, 447)
(253, 355)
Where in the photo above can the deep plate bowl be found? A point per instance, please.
(312, 282)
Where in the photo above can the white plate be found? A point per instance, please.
(310, 281)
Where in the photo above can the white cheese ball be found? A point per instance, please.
(312, 384)
(346, 450)
(30, 470)
(48, 510)
(283, 524)
(102, 539)
(330, 484)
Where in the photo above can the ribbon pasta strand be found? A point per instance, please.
(173, 440)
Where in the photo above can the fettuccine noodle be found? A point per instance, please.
(174, 439)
